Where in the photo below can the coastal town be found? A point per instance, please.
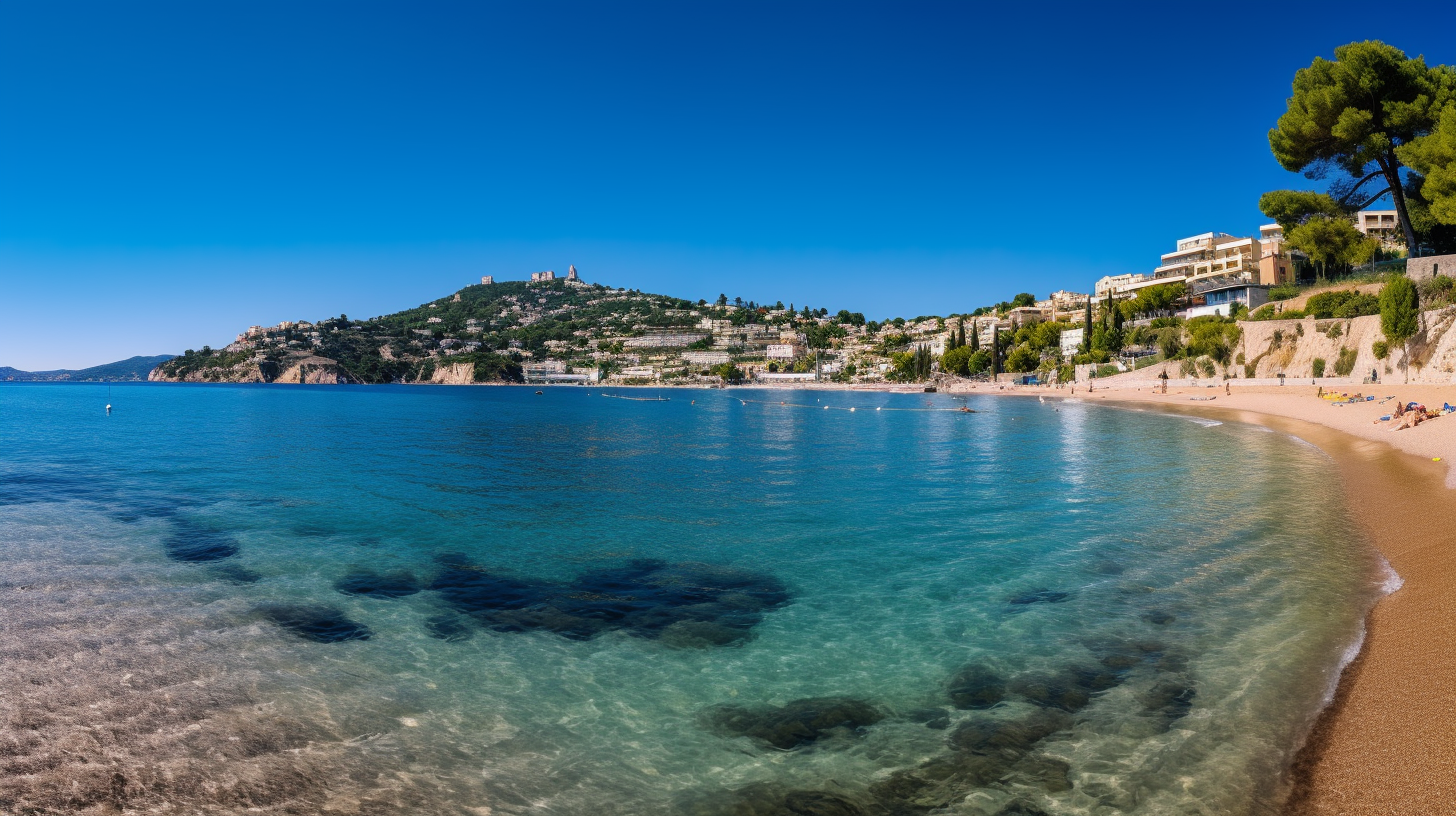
(562, 329)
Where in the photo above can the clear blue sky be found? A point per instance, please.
(171, 173)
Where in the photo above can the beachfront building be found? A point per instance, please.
(644, 372)
(1218, 298)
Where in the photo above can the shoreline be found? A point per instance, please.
(1385, 745)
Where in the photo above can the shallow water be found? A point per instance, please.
(480, 600)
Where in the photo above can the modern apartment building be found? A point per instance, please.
(1382, 225)
(1276, 265)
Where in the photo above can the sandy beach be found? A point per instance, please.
(1387, 744)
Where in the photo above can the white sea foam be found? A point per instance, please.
(1391, 581)
(1207, 423)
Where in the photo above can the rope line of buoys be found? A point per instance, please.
(851, 408)
(639, 399)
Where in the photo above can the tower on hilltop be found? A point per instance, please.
(571, 273)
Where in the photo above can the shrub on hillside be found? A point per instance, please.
(1319, 366)
(1360, 305)
(1284, 291)
(1341, 303)
(1380, 349)
(1346, 362)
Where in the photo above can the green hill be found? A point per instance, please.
(132, 368)
(485, 331)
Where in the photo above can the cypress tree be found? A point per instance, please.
(1087, 327)
(975, 336)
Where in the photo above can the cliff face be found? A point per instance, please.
(307, 369)
(313, 370)
(1291, 347)
(456, 374)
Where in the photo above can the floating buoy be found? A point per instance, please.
(877, 408)
(694, 402)
(826, 407)
(851, 410)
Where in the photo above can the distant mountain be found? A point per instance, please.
(132, 368)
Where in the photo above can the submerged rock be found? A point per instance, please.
(1070, 689)
(473, 590)
(934, 718)
(798, 723)
(1021, 807)
(1012, 738)
(684, 605)
(1159, 617)
(320, 624)
(976, 687)
(190, 541)
(396, 584)
(985, 750)
(1169, 699)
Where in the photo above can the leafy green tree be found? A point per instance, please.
(1331, 240)
(1023, 299)
(1352, 114)
(1022, 359)
(1290, 208)
(729, 372)
(1434, 157)
(957, 361)
(1400, 314)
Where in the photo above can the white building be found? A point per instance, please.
(487, 280)
(784, 351)
(705, 358)
(1072, 341)
(538, 277)
(1114, 283)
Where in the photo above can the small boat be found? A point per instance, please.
(538, 392)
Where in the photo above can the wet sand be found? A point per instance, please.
(1386, 746)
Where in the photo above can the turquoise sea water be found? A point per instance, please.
(486, 601)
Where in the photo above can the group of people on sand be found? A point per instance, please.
(1409, 415)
